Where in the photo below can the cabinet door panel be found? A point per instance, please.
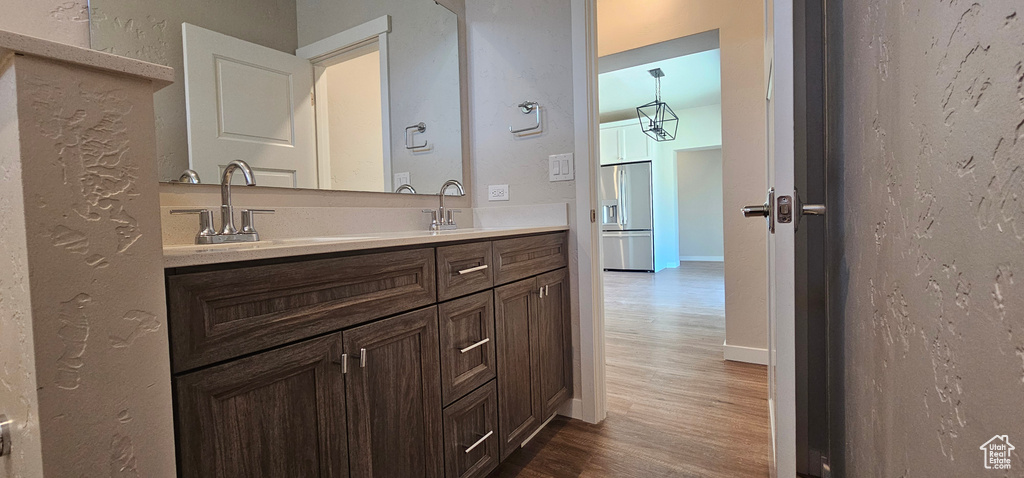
(467, 344)
(394, 397)
(636, 145)
(610, 153)
(553, 342)
(278, 413)
(519, 408)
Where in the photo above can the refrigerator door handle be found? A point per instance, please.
(622, 198)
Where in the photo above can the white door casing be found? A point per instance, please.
(249, 102)
(320, 53)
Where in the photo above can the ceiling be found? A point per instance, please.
(690, 81)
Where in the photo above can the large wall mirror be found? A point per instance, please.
(355, 95)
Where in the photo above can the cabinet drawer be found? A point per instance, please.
(471, 434)
(463, 269)
(218, 315)
(467, 344)
(522, 257)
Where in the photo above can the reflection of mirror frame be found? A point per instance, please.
(321, 54)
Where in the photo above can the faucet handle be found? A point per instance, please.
(205, 220)
(248, 226)
(450, 219)
(435, 223)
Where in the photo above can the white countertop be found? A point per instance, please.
(199, 254)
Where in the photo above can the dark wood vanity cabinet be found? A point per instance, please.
(382, 364)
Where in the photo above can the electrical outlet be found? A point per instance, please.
(560, 167)
(401, 178)
(497, 192)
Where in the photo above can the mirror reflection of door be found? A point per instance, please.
(350, 131)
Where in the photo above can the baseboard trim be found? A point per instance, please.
(572, 409)
(701, 258)
(736, 353)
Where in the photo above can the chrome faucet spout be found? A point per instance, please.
(227, 212)
(444, 216)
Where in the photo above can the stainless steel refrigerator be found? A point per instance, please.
(627, 216)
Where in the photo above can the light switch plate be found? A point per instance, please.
(561, 168)
(400, 179)
(497, 192)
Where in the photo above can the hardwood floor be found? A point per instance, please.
(675, 407)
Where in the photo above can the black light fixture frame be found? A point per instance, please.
(657, 120)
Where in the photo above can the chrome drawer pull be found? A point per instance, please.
(478, 442)
(472, 269)
(362, 358)
(471, 347)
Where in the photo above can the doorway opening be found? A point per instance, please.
(663, 258)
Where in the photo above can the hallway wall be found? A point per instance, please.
(926, 217)
(699, 177)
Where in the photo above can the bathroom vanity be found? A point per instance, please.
(415, 354)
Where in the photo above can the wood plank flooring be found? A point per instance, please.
(675, 407)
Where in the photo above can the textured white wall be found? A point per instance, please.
(623, 25)
(90, 260)
(927, 225)
(521, 51)
(699, 176)
(64, 21)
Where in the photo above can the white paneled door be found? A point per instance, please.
(248, 102)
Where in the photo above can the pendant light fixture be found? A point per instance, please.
(657, 120)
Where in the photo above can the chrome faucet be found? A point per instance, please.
(228, 233)
(406, 187)
(443, 219)
(227, 212)
(190, 176)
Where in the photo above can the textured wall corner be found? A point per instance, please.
(17, 359)
(64, 21)
(93, 334)
(928, 196)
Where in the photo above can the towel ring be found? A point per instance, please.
(420, 128)
(528, 107)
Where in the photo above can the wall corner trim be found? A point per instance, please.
(736, 353)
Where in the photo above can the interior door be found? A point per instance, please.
(249, 102)
(778, 211)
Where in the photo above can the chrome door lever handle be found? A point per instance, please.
(812, 209)
(756, 211)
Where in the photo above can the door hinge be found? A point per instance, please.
(312, 98)
(593, 216)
